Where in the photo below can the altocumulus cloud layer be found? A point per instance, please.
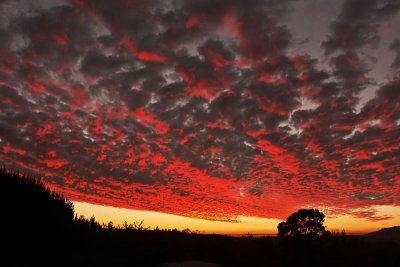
(203, 108)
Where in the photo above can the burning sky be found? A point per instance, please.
(206, 109)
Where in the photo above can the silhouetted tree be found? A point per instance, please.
(31, 201)
(343, 232)
(110, 225)
(139, 226)
(304, 222)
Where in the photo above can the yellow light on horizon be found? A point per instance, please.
(254, 225)
(153, 219)
(359, 225)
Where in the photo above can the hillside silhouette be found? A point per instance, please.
(40, 229)
(389, 234)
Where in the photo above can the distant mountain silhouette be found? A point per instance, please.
(391, 233)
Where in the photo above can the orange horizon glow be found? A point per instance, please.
(253, 225)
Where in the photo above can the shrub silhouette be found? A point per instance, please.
(304, 222)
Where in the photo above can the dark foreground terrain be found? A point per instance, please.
(39, 229)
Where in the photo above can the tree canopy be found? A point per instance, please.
(304, 222)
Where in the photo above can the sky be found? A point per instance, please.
(221, 115)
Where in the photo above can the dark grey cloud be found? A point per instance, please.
(98, 64)
(358, 23)
(395, 47)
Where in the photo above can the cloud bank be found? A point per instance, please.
(200, 108)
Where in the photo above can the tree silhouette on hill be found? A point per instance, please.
(31, 202)
(304, 222)
(37, 219)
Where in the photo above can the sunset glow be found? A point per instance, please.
(245, 225)
(218, 116)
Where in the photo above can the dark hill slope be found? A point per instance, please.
(391, 233)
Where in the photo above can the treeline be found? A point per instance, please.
(33, 209)
(39, 228)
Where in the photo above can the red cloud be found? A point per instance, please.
(143, 55)
(191, 22)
